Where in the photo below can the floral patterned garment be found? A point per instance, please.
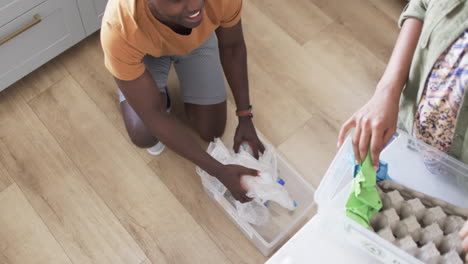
(437, 112)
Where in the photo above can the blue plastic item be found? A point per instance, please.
(382, 172)
(281, 182)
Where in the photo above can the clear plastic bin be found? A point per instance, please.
(331, 237)
(413, 164)
(270, 236)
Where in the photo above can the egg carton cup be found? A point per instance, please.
(423, 226)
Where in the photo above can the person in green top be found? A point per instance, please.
(422, 90)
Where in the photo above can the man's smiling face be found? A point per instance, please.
(185, 13)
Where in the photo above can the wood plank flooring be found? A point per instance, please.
(73, 189)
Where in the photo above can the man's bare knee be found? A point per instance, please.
(138, 133)
(142, 141)
(210, 135)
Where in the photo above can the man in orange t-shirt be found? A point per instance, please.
(141, 39)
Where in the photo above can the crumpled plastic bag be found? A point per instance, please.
(262, 188)
(266, 188)
(253, 212)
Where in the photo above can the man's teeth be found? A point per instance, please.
(194, 15)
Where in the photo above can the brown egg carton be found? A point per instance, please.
(423, 226)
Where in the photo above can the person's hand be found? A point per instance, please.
(245, 132)
(230, 176)
(464, 238)
(375, 125)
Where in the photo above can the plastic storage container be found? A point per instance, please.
(412, 163)
(269, 237)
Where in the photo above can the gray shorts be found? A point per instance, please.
(200, 73)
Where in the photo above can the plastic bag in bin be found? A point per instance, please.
(267, 188)
(253, 212)
(263, 188)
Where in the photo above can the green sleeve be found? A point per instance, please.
(414, 9)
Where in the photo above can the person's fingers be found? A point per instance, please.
(388, 134)
(344, 130)
(377, 143)
(250, 172)
(237, 144)
(261, 147)
(375, 149)
(364, 140)
(242, 197)
(356, 137)
(237, 196)
(254, 148)
(255, 172)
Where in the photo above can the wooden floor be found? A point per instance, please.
(73, 189)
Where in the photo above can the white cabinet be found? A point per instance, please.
(91, 14)
(37, 36)
(10, 9)
(32, 32)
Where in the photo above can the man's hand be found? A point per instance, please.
(464, 238)
(375, 125)
(245, 132)
(233, 54)
(230, 176)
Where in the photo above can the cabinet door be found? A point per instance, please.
(37, 36)
(91, 12)
(11, 9)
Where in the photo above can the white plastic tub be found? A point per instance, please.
(269, 237)
(411, 163)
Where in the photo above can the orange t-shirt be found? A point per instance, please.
(130, 31)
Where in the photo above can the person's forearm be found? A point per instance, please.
(169, 131)
(144, 97)
(234, 61)
(397, 71)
